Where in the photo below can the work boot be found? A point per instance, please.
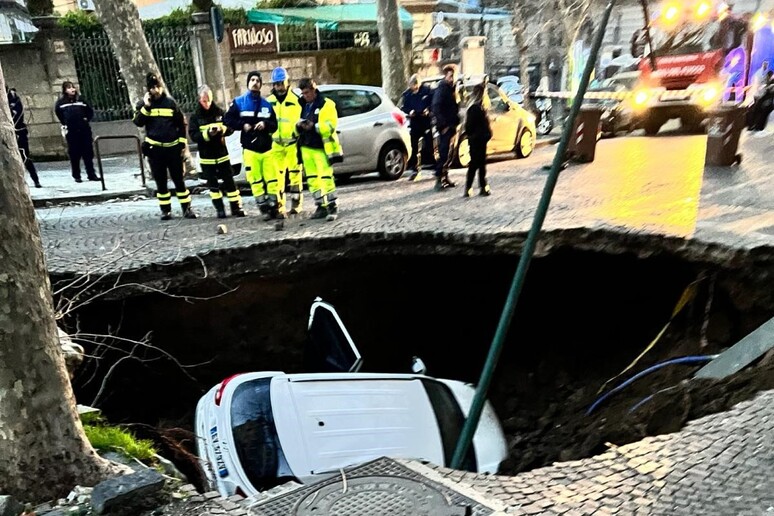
(38, 185)
(166, 215)
(236, 209)
(468, 192)
(486, 191)
(93, 177)
(268, 215)
(320, 213)
(448, 182)
(221, 214)
(295, 204)
(414, 175)
(220, 209)
(78, 180)
(333, 212)
(189, 213)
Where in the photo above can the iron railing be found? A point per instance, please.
(100, 77)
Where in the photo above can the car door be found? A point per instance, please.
(357, 128)
(329, 347)
(502, 122)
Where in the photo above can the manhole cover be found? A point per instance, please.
(377, 495)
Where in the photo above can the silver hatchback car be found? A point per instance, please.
(373, 133)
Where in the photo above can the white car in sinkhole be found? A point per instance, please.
(257, 430)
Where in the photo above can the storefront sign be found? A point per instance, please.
(253, 38)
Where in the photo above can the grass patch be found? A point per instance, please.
(104, 437)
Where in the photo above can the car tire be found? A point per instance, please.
(462, 153)
(525, 143)
(392, 161)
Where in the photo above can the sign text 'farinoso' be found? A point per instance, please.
(253, 38)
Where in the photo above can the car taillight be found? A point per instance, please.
(219, 393)
(399, 117)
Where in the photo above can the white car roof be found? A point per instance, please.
(328, 87)
(349, 418)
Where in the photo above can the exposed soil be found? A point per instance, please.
(582, 319)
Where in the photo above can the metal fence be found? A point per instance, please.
(308, 36)
(100, 78)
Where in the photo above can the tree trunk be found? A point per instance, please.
(121, 21)
(43, 449)
(390, 43)
(519, 28)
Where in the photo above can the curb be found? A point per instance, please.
(45, 202)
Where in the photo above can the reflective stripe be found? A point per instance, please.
(233, 195)
(215, 195)
(144, 111)
(73, 104)
(161, 112)
(165, 144)
(247, 114)
(164, 199)
(285, 143)
(207, 127)
(213, 161)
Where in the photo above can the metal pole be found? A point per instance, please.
(99, 163)
(644, 4)
(317, 32)
(219, 59)
(276, 31)
(479, 398)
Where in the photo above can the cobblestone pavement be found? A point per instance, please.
(639, 185)
(722, 464)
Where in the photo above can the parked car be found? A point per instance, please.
(617, 114)
(513, 128)
(373, 133)
(257, 430)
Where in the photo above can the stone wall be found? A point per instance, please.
(37, 71)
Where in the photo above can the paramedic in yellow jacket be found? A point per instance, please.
(319, 147)
(287, 106)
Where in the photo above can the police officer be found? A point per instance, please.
(287, 107)
(319, 147)
(164, 145)
(415, 102)
(254, 116)
(207, 129)
(75, 113)
(17, 114)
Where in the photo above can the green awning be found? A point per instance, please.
(345, 18)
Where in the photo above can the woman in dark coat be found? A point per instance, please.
(479, 133)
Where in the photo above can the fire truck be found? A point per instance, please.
(704, 54)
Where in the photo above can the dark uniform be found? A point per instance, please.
(417, 106)
(446, 110)
(75, 114)
(213, 158)
(22, 140)
(164, 144)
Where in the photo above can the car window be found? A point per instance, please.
(255, 436)
(496, 102)
(450, 420)
(353, 102)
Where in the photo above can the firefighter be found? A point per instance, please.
(164, 145)
(319, 147)
(287, 107)
(74, 113)
(254, 116)
(206, 128)
(22, 140)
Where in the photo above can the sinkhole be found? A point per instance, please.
(583, 317)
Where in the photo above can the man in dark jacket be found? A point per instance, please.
(207, 129)
(446, 110)
(416, 102)
(164, 145)
(22, 140)
(254, 116)
(74, 113)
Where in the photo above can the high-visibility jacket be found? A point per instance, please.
(288, 111)
(211, 150)
(322, 113)
(164, 122)
(251, 108)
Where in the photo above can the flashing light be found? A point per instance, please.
(703, 9)
(641, 98)
(758, 21)
(670, 13)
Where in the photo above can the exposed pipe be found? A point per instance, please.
(689, 360)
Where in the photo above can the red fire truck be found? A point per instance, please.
(704, 55)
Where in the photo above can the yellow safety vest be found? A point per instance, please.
(288, 113)
(326, 122)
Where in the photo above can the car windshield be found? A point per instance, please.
(255, 436)
(687, 38)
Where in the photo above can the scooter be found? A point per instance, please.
(544, 120)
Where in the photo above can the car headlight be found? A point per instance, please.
(709, 95)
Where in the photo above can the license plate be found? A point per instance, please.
(220, 464)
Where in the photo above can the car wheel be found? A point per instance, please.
(462, 159)
(392, 161)
(525, 144)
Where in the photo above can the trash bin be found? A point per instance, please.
(723, 130)
(585, 133)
